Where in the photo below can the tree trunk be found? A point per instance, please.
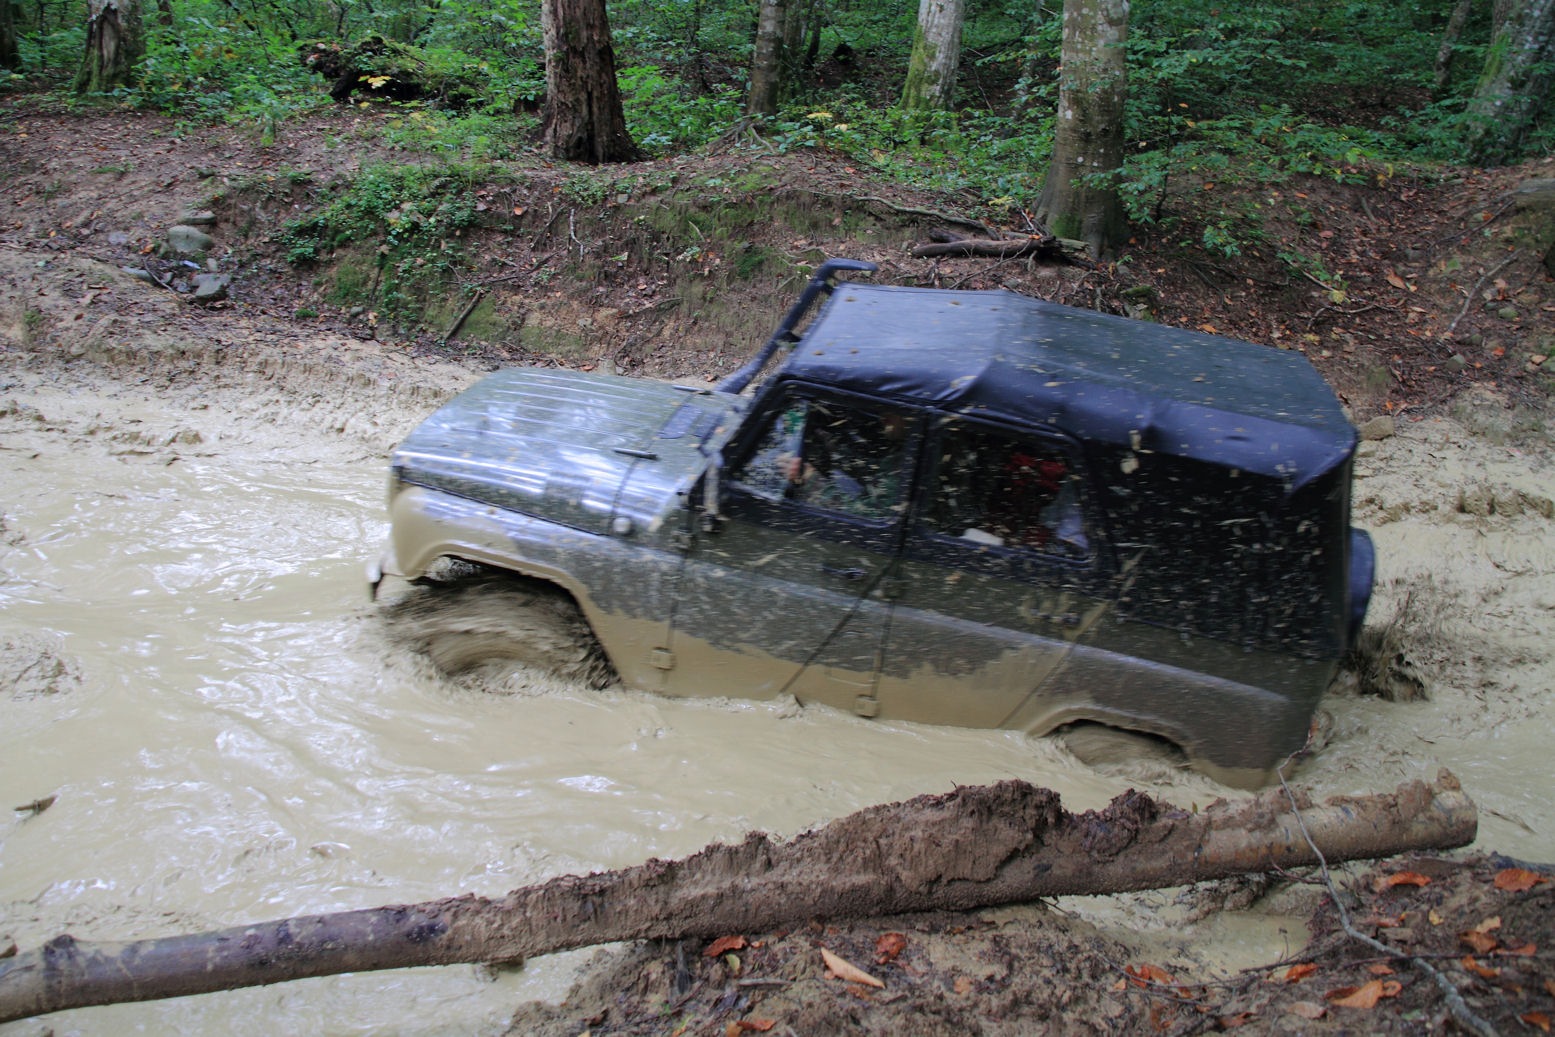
(1515, 83)
(1088, 135)
(794, 22)
(767, 65)
(971, 848)
(936, 54)
(583, 117)
(1444, 53)
(10, 58)
(114, 46)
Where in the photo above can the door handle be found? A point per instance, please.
(843, 573)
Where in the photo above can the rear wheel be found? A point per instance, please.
(471, 618)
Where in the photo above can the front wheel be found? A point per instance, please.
(1106, 748)
(471, 620)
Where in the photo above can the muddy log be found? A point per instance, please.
(972, 848)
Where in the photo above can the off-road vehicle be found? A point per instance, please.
(952, 507)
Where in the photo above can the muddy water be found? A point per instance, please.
(189, 664)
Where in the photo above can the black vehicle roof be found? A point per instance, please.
(1096, 376)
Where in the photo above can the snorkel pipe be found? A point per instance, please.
(820, 282)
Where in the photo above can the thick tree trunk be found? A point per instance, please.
(1088, 136)
(936, 55)
(766, 88)
(114, 46)
(971, 848)
(583, 121)
(1515, 83)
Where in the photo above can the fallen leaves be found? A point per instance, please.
(888, 947)
(1145, 975)
(1297, 973)
(1307, 1009)
(1365, 996)
(1402, 878)
(1482, 971)
(1518, 880)
(845, 970)
(723, 945)
(1478, 942)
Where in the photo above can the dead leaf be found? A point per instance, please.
(1402, 878)
(1365, 996)
(1144, 975)
(964, 984)
(1525, 951)
(1517, 880)
(888, 947)
(1379, 969)
(1489, 925)
(1478, 942)
(846, 970)
(1482, 971)
(1307, 1009)
(1297, 973)
(1231, 1022)
(1396, 281)
(757, 1025)
(723, 945)
(1539, 1019)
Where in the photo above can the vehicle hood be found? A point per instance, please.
(575, 448)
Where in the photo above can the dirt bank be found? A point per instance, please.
(1458, 499)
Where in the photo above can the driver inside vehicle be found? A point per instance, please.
(850, 461)
(833, 457)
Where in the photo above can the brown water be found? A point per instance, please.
(188, 661)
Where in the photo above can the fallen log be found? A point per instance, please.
(971, 848)
(1003, 248)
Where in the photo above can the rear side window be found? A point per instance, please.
(997, 489)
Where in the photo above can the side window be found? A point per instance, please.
(996, 489)
(832, 455)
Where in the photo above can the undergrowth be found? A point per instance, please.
(395, 234)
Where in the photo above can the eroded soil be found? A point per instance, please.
(1439, 326)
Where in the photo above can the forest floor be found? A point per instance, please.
(1418, 289)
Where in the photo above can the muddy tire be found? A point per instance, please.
(1100, 746)
(474, 620)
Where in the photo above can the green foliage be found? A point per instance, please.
(408, 219)
(1268, 148)
(53, 51)
(663, 114)
(215, 70)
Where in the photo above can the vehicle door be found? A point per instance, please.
(782, 593)
(999, 576)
